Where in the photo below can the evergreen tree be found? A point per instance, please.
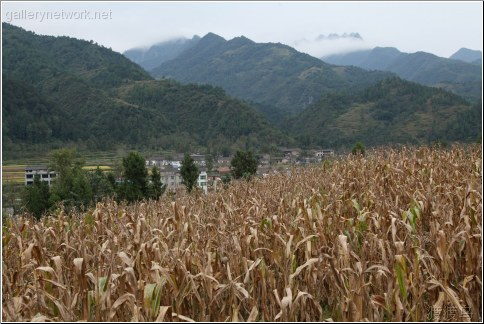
(189, 172)
(36, 197)
(244, 164)
(225, 180)
(209, 161)
(135, 185)
(156, 188)
(101, 185)
(81, 195)
(71, 185)
(359, 148)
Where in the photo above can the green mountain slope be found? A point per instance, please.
(203, 112)
(74, 79)
(459, 77)
(60, 90)
(392, 111)
(27, 116)
(267, 73)
(36, 58)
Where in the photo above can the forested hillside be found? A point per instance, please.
(392, 111)
(60, 90)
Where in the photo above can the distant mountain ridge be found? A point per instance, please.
(459, 77)
(467, 55)
(151, 57)
(267, 73)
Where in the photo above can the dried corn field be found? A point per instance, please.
(393, 236)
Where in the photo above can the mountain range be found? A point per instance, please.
(63, 91)
(453, 74)
(267, 73)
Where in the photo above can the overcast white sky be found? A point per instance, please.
(436, 27)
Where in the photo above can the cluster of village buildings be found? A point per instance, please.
(208, 180)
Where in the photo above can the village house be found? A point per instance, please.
(224, 161)
(276, 159)
(223, 170)
(324, 153)
(288, 152)
(213, 179)
(198, 159)
(202, 181)
(176, 162)
(160, 162)
(44, 173)
(289, 155)
(170, 177)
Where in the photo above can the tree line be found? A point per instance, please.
(77, 188)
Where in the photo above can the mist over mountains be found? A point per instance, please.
(151, 57)
(331, 43)
(332, 36)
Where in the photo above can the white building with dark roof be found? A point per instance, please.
(44, 173)
(324, 153)
(202, 180)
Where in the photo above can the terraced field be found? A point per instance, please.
(14, 174)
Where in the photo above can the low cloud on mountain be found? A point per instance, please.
(331, 43)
